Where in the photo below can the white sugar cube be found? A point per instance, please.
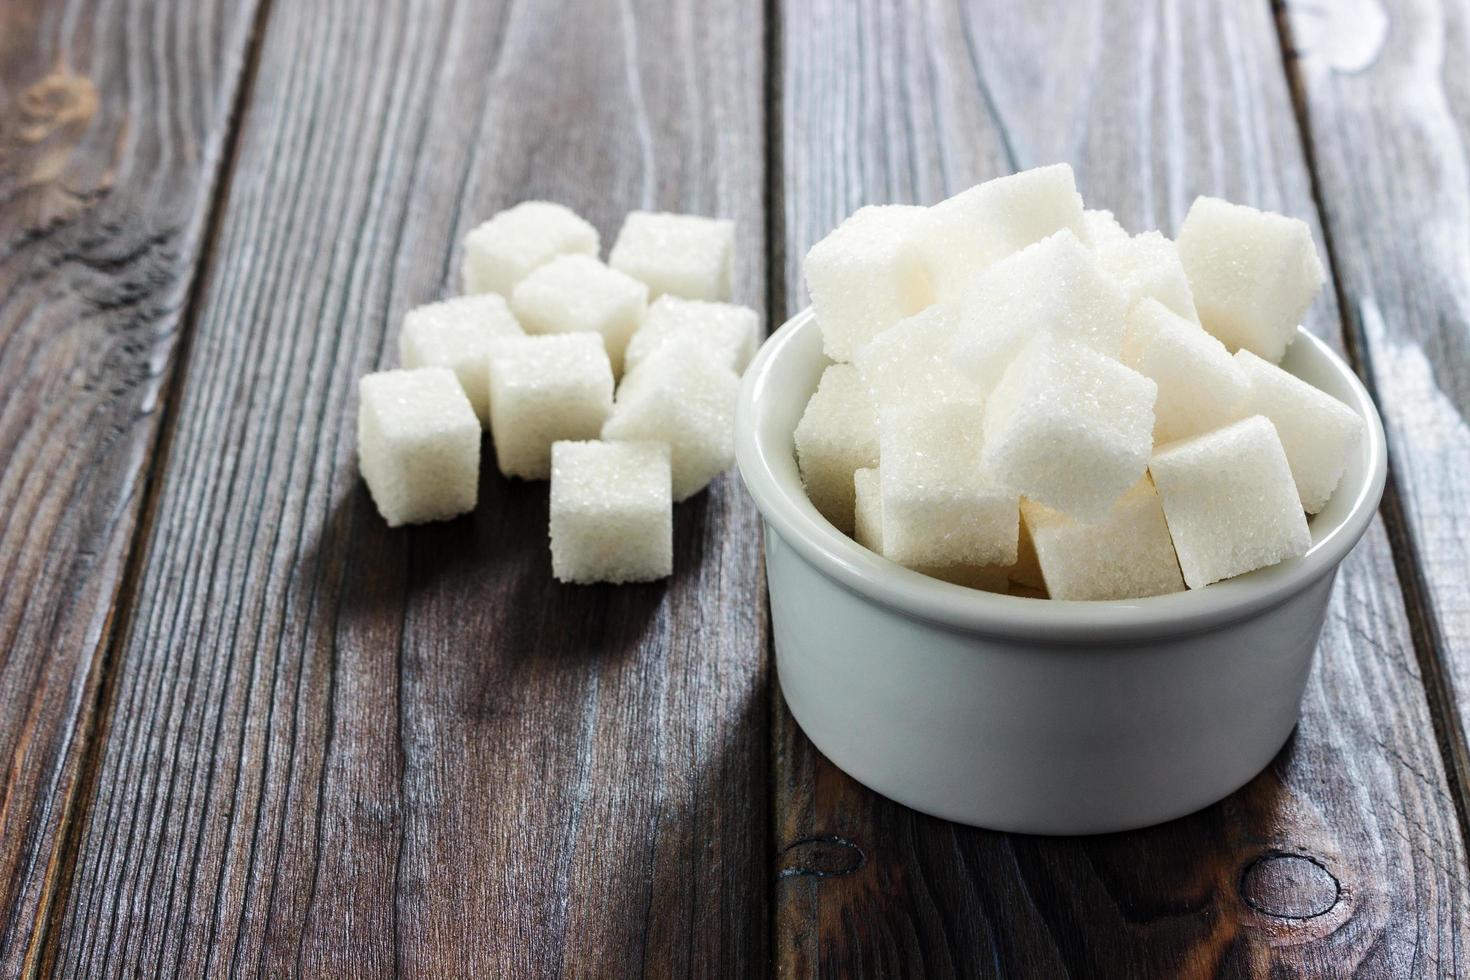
(578, 294)
(499, 253)
(1230, 501)
(612, 513)
(1054, 286)
(681, 397)
(867, 486)
(984, 224)
(1253, 274)
(913, 356)
(680, 254)
(1126, 555)
(1102, 229)
(542, 390)
(1147, 266)
(1318, 432)
(837, 434)
(1200, 385)
(939, 508)
(418, 444)
(457, 334)
(867, 275)
(727, 333)
(1068, 427)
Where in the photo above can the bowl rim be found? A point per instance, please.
(786, 509)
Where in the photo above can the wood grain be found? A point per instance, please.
(1345, 854)
(1397, 213)
(344, 750)
(113, 123)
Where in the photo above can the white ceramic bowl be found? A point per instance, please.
(1034, 715)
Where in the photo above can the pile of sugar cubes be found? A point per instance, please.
(534, 351)
(1025, 398)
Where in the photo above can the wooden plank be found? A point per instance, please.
(1397, 213)
(340, 749)
(1345, 854)
(113, 123)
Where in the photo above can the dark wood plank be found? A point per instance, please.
(1345, 854)
(113, 122)
(347, 750)
(1397, 214)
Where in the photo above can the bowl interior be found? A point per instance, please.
(785, 373)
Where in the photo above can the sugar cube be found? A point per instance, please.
(1200, 385)
(578, 294)
(1101, 229)
(867, 486)
(867, 275)
(457, 334)
(499, 253)
(1054, 286)
(939, 507)
(612, 514)
(1126, 555)
(837, 434)
(1147, 266)
(727, 333)
(680, 254)
(1026, 571)
(1318, 432)
(982, 225)
(418, 445)
(913, 355)
(1068, 427)
(1253, 273)
(680, 396)
(542, 390)
(1230, 501)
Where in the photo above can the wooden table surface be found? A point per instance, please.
(246, 729)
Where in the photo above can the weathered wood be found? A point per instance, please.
(113, 119)
(348, 750)
(1345, 853)
(1382, 93)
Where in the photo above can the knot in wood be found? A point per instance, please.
(1289, 886)
(821, 856)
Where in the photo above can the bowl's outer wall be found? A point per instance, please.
(1042, 738)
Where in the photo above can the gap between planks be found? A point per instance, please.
(76, 805)
(1429, 645)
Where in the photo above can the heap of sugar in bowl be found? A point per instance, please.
(1026, 398)
(626, 406)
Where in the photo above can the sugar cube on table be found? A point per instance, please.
(680, 396)
(1148, 266)
(418, 445)
(612, 512)
(679, 254)
(867, 486)
(867, 275)
(727, 333)
(499, 253)
(1230, 501)
(1102, 228)
(984, 224)
(939, 506)
(837, 434)
(1253, 274)
(544, 389)
(1054, 286)
(913, 356)
(1201, 387)
(457, 334)
(1318, 432)
(578, 294)
(1068, 427)
(1126, 555)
